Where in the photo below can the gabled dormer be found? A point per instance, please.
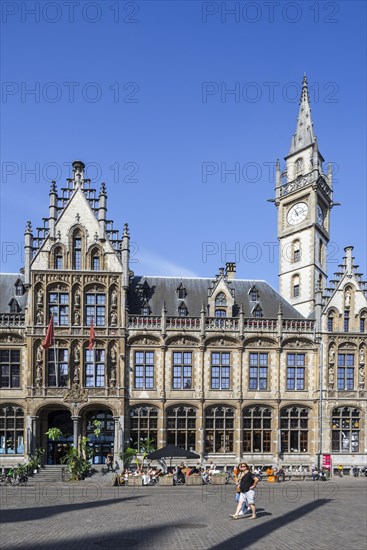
(257, 310)
(181, 291)
(253, 294)
(14, 306)
(220, 296)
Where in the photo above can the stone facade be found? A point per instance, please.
(226, 367)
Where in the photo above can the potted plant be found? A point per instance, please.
(218, 479)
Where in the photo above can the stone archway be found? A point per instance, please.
(55, 417)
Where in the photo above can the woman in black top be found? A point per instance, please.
(248, 483)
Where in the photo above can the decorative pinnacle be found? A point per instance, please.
(126, 230)
(103, 189)
(28, 228)
(53, 188)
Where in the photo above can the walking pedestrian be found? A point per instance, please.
(247, 485)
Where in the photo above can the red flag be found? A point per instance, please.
(91, 335)
(47, 342)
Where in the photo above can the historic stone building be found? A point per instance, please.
(226, 367)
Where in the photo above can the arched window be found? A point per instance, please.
(299, 166)
(362, 321)
(95, 261)
(14, 306)
(182, 310)
(143, 426)
(294, 430)
(219, 429)
(296, 251)
(331, 321)
(221, 300)
(77, 250)
(345, 426)
(256, 430)
(295, 286)
(11, 430)
(58, 259)
(181, 427)
(321, 251)
(102, 444)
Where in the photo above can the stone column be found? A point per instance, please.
(118, 439)
(75, 420)
(33, 434)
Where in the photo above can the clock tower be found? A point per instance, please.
(304, 200)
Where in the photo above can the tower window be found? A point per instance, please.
(19, 289)
(299, 166)
(296, 252)
(320, 251)
(295, 285)
(220, 299)
(362, 324)
(330, 323)
(95, 262)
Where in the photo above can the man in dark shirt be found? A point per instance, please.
(248, 483)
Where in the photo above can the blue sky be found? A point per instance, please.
(137, 90)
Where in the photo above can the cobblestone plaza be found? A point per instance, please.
(91, 516)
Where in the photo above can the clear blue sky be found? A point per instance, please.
(148, 62)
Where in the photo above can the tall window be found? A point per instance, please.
(95, 262)
(11, 430)
(10, 368)
(299, 166)
(95, 368)
(14, 306)
(345, 424)
(294, 430)
(295, 286)
(58, 258)
(320, 251)
(330, 323)
(181, 427)
(258, 312)
(256, 430)
(295, 371)
(182, 370)
(220, 371)
(296, 252)
(181, 292)
(57, 367)
(144, 370)
(58, 306)
(143, 426)
(96, 308)
(77, 252)
(259, 371)
(345, 371)
(362, 324)
(219, 429)
(19, 289)
(346, 321)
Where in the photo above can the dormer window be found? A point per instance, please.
(145, 290)
(14, 306)
(257, 311)
(181, 291)
(19, 288)
(145, 311)
(182, 311)
(254, 294)
(221, 300)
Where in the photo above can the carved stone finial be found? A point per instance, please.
(126, 230)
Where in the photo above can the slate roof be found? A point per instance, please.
(7, 291)
(164, 289)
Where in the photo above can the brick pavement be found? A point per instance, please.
(291, 515)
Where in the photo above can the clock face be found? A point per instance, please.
(297, 213)
(320, 215)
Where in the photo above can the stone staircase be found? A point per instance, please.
(51, 474)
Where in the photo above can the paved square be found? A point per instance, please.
(89, 516)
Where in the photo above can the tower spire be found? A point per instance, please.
(304, 135)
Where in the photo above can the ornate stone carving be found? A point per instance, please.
(361, 356)
(113, 318)
(76, 317)
(331, 356)
(96, 392)
(39, 317)
(361, 376)
(347, 297)
(331, 376)
(77, 298)
(55, 392)
(114, 299)
(39, 366)
(40, 297)
(144, 341)
(11, 339)
(76, 395)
